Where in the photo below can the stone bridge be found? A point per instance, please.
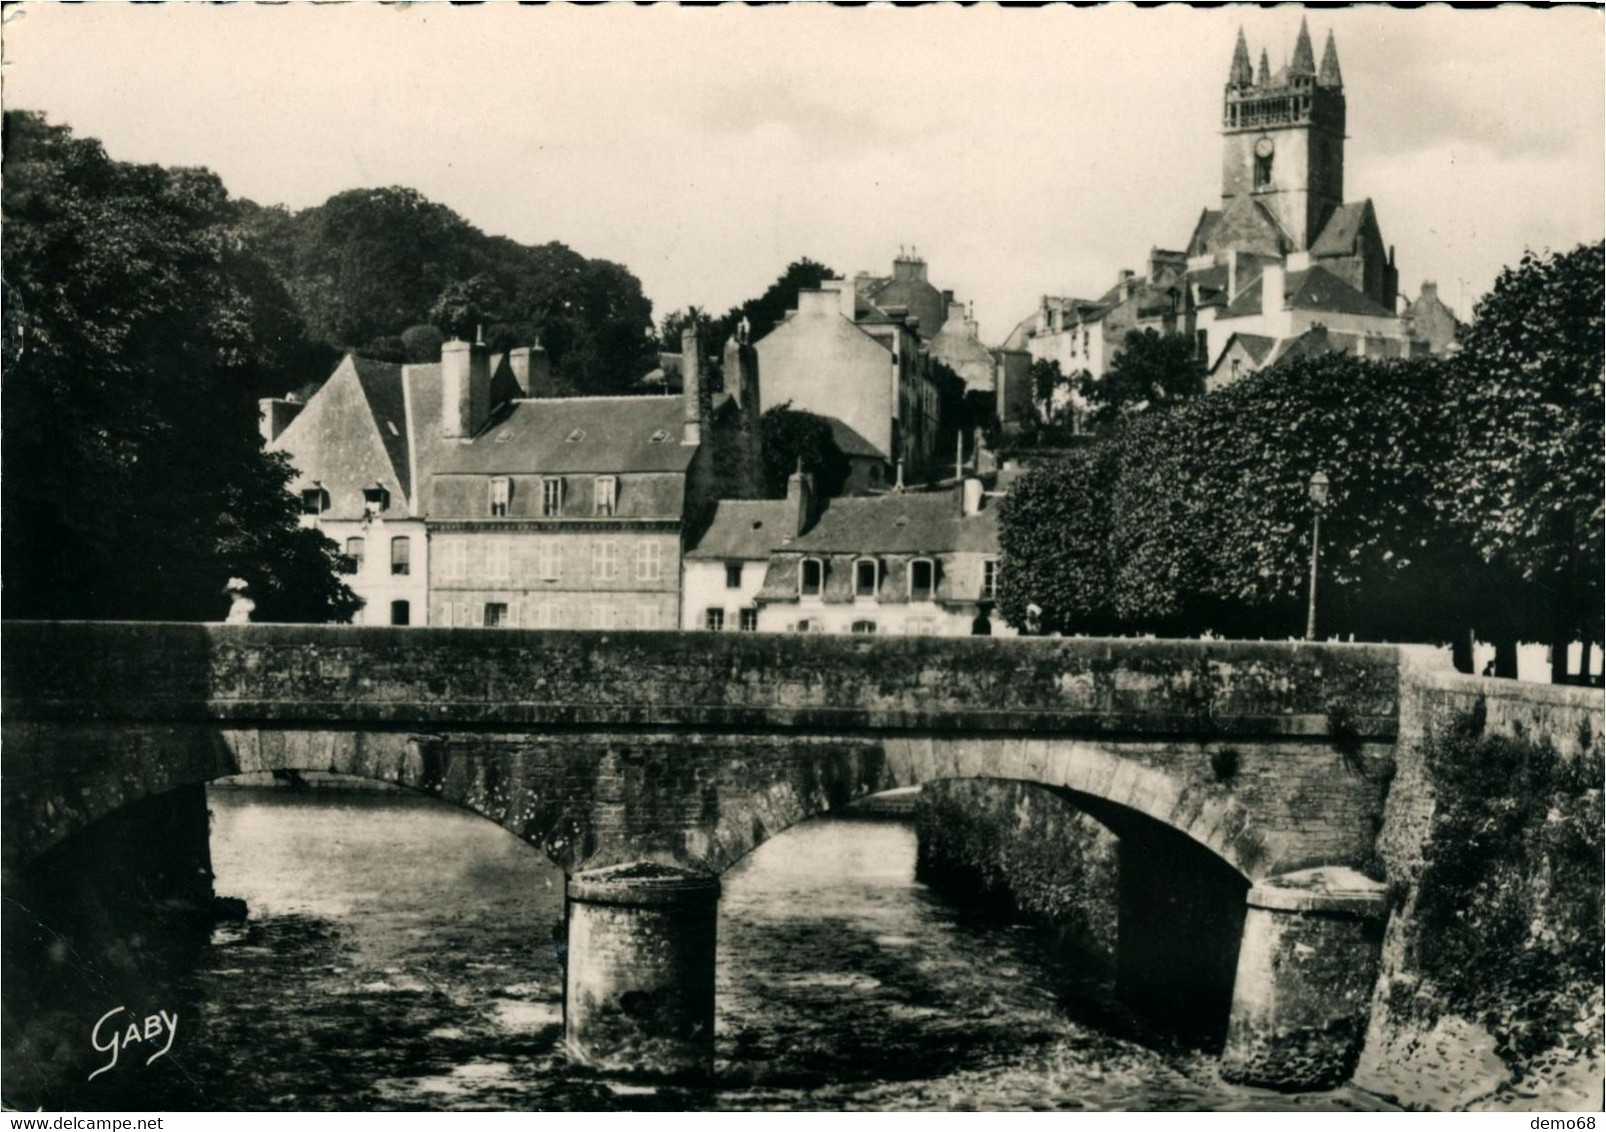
(647, 763)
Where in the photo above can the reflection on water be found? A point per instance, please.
(399, 954)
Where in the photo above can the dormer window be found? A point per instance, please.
(606, 498)
(866, 578)
(314, 500)
(552, 496)
(659, 437)
(576, 436)
(501, 490)
(375, 498)
(811, 577)
(922, 579)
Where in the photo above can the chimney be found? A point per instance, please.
(909, 267)
(818, 300)
(465, 388)
(696, 395)
(970, 496)
(1126, 284)
(799, 501)
(957, 314)
(532, 369)
(1272, 288)
(275, 414)
(1234, 274)
(845, 296)
(1430, 290)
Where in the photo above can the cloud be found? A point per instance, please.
(822, 128)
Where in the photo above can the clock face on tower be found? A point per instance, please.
(1263, 147)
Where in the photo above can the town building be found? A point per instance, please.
(905, 563)
(1285, 256)
(840, 356)
(468, 500)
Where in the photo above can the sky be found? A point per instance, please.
(1021, 151)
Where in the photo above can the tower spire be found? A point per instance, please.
(1330, 74)
(1240, 74)
(1304, 62)
(1263, 78)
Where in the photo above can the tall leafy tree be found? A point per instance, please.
(1152, 371)
(791, 439)
(1055, 537)
(139, 332)
(766, 311)
(1531, 380)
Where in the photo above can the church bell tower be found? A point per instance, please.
(1283, 144)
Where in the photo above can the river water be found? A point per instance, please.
(398, 954)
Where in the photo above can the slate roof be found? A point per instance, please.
(612, 434)
(743, 528)
(851, 443)
(1342, 230)
(1316, 289)
(899, 523)
(1257, 346)
(381, 385)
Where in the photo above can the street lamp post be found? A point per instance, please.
(1319, 485)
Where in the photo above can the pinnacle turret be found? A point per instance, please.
(1304, 54)
(1330, 74)
(1263, 78)
(1240, 75)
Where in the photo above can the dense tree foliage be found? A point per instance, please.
(790, 439)
(1531, 383)
(765, 312)
(1466, 494)
(368, 265)
(139, 332)
(1152, 371)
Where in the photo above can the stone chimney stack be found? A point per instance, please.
(1127, 276)
(532, 369)
(698, 398)
(970, 497)
(275, 414)
(741, 382)
(1273, 283)
(799, 501)
(465, 388)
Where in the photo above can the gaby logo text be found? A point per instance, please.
(109, 1037)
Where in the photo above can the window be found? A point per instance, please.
(864, 626)
(607, 495)
(649, 561)
(602, 617)
(456, 554)
(552, 496)
(748, 622)
(713, 620)
(314, 500)
(920, 627)
(922, 579)
(808, 625)
(496, 558)
(401, 555)
(463, 618)
(549, 560)
(354, 549)
(811, 579)
(1203, 337)
(733, 575)
(375, 498)
(989, 579)
(659, 437)
(401, 613)
(647, 617)
(501, 489)
(1237, 366)
(495, 614)
(545, 616)
(866, 577)
(605, 560)
(576, 436)
(1263, 171)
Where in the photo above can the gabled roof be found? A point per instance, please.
(851, 443)
(1316, 289)
(352, 433)
(381, 384)
(1257, 346)
(575, 434)
(1020, 337)
(743, 528)
(1343, 229)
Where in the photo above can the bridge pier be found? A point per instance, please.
(639, 990)
(1306, 971)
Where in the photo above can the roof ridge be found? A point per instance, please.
(599, 397)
